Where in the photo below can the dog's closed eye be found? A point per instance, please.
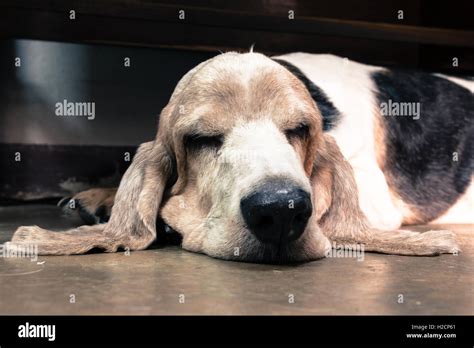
(196, 142)
(299, 132)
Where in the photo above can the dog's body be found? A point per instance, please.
(410, 168)
(272, 160)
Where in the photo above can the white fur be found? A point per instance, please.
(461, 82)
(462, 212)
(256, 160)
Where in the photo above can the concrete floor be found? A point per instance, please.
(153, 281)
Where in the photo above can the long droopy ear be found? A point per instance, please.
(139, 196)
(335, 192)
(343, 222)
(133, 217)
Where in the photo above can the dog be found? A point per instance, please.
(279, 159)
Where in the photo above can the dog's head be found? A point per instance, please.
(240, 166)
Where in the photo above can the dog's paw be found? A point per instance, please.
(93, 206)
(27, 234)
(440, 242)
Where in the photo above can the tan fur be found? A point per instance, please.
(91, 200)
(379, 139)
(94, 198)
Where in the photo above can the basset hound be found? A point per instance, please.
(278, 159)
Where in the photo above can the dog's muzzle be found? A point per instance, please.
(277, 212)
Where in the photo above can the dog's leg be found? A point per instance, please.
(93, 206)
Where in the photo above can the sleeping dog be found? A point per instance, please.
(278, 159)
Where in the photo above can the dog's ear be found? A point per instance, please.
(335, 192)
(139, 196)
(133, 219)
(322, 178)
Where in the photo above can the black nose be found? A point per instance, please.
(277, 212)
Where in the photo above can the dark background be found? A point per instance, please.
(82, 60)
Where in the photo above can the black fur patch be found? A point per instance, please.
(329, 112)
(420, 154)
(166, 235)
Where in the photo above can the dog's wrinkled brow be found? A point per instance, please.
(208, 120)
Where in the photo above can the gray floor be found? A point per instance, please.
(157, 281)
